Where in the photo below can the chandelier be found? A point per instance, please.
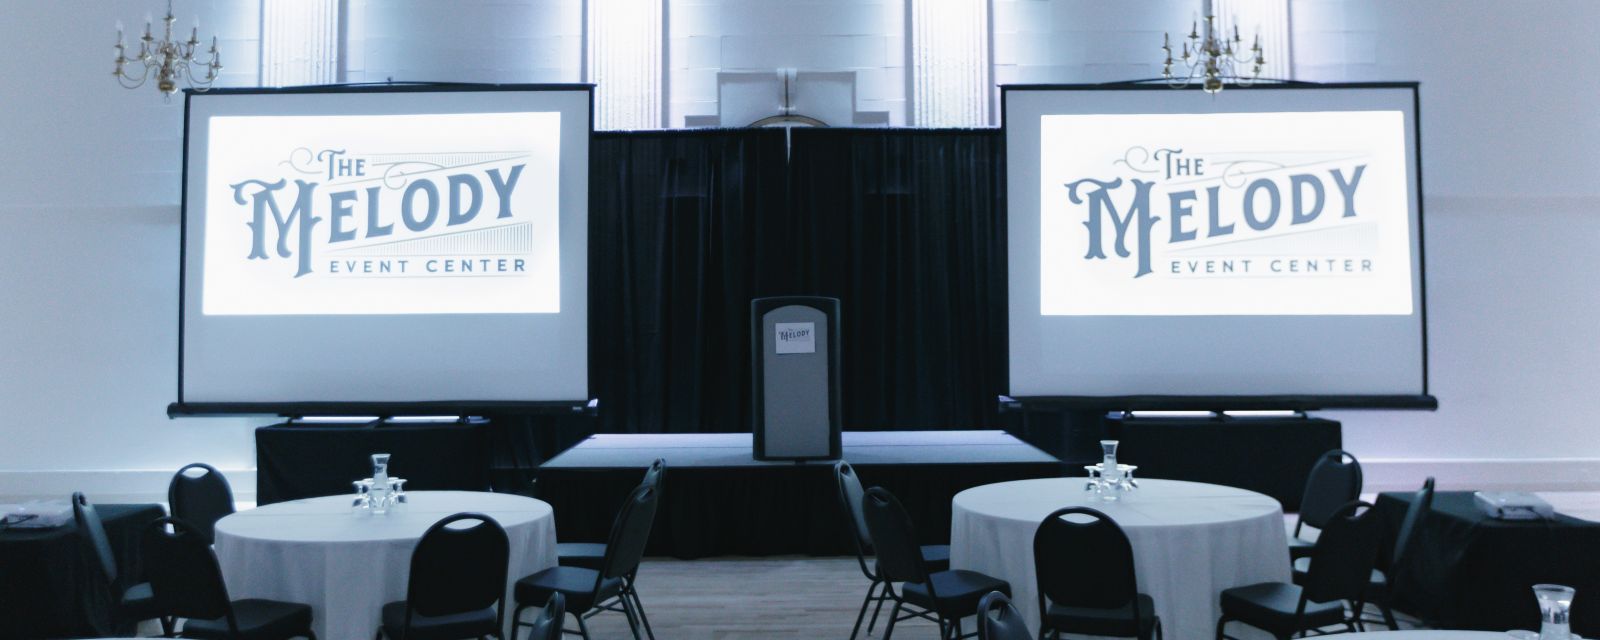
(1212, 60)
(167, 60)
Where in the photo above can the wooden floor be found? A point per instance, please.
(738, 598)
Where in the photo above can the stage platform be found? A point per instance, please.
(718, 500)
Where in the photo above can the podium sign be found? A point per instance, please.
(797, 411)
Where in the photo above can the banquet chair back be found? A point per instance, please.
(1075, 542)
(1334, 481)
(550, 621)
(183, 571)
(850, 496)
(1411, 525)
(459, 569)
(999, 620)
(202, 499)
(1347, 549)
(94, 536)
(629, 535)
(894, 538)
(656, 474)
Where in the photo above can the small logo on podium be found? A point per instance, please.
(795, 337)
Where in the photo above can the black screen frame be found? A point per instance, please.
(1298, 402)
(181, 408)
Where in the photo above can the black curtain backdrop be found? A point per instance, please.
(905, 227)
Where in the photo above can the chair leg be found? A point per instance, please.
(882, 596)
(1221, 622)
(1360, 607)
(888, 630)
(583, 629)
(516, 619)
(1388, 615)
(862, 616)
(957, 635)
(168, 626)
(638, 607)
(627, 610)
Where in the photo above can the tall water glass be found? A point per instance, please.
(1109, 469)
(1555, 603)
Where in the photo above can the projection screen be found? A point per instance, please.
(400, 246)
(1261, 247)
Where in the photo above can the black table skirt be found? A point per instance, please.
(50, 587)
(305, 461)
(1473, 572)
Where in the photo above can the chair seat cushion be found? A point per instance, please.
(958, 592)
(1302, 566)
(1271, 606)
(446, 627)
(936, 557)
(588, 555)
(138, 603)
(576, 584)
(258, 620)
(1105, 622)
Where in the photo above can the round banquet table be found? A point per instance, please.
(315, 551)
(1190, 541)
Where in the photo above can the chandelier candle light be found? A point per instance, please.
(166, 60)
(1212, 59)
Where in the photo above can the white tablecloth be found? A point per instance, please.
(1433, 635)
(1190, 541)
(315, 551)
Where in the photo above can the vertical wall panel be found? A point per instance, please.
(950, 63)
(299, 42)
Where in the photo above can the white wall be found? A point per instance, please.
(464, 40)
(89, 176)
(705, 36)
(1512, 188)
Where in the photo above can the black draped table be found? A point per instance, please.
(297, 461)
(1469, 571)
(50, 586)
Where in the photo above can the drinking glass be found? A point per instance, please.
(1555, 603)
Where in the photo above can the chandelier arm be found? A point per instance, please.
(136, 82)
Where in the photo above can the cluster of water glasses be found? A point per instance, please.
(1555, 604)
(1108, 480)
(379, 494)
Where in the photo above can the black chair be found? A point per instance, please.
(134, 603)
(1085, 573)
(550, 621)
(200, 500)
(590, 555)
(936, 557)
(998, 620)
(1341, 565)
(1383, 582)
(457, 587)
(587, 591)
(944, 597)
(188, 584)
(1335, 480)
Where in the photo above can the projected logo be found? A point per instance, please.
(395, 214)
(1225, 214)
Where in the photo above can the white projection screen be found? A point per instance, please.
(394, 246)
(1257, 248)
